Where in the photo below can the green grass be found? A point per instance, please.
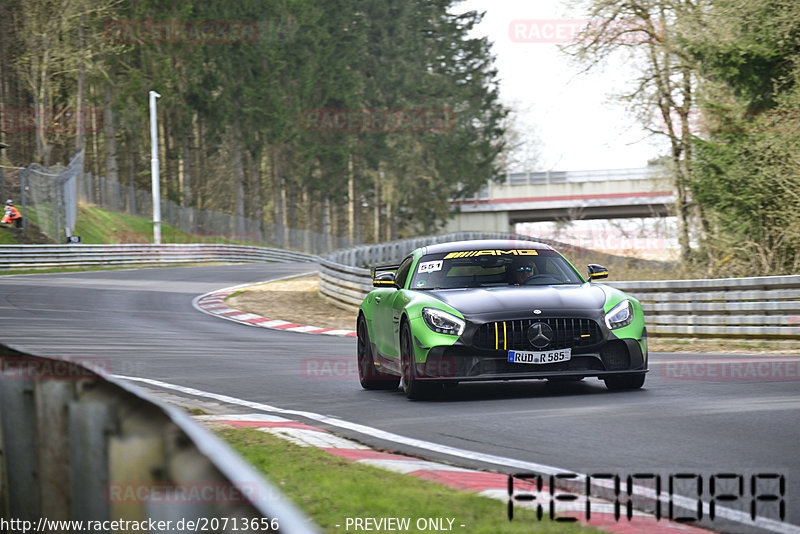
(331, 489)
(7, 238)
(99, 226)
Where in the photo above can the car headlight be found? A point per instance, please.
(620, 315)
(442, 322)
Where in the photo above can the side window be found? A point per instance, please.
(402, 271)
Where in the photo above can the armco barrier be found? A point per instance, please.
(44, 256)
(735, 308)
(765, 307)
(78, 446)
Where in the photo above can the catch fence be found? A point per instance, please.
(114, 196)
(48, 197)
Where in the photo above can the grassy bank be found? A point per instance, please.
(97, 226)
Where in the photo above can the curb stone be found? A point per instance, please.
(213, 303)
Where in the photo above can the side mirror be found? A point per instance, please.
(384, 280)
(597, 272)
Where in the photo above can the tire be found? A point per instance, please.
(413, 388)
(622, 382)
(369, 376)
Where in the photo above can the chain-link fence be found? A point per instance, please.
(114, 196)
(10, 178)
(49, 199)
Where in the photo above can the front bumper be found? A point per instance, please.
(463, 363)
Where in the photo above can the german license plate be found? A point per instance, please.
(548, 356)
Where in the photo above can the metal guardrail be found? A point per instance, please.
(765, 307)
(76, 445)
(736, 308)
(44, 256)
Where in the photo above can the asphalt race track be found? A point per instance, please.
(697, 415)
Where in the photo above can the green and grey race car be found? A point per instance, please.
(496, 310)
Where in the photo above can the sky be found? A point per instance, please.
(577, 122)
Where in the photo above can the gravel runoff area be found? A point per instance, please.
(297, 300)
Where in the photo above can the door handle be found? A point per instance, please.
(377, 299)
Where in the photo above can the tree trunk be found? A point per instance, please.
(326, 229)
(109, 138)
(351, 206)
(131, 177)
(238, 181)
(376, 208)
(79, 111)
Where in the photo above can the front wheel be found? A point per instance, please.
(413, 388)
(369, 376)
(622, 382)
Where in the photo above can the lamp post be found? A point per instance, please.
(154, 169)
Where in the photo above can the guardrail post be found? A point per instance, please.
(91, 421)
(52, 425)
(21, 478)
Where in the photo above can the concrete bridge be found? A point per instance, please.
(565, 195)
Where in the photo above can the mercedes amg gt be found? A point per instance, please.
(496, 310)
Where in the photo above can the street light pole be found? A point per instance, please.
(154, 169)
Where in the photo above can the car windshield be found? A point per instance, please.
(493, 268)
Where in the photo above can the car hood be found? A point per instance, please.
(501, 303)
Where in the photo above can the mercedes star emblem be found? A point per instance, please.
(540, 335)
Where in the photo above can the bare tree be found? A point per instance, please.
(663, 96)
(522, 151)
(60, 49)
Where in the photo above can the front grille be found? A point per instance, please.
(513, 335)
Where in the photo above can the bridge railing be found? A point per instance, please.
(77, 445)
(735, 308)
(559, 177)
